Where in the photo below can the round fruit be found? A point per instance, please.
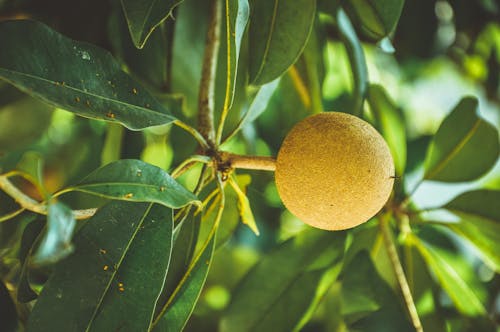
(334, 171)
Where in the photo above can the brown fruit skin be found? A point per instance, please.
(334, 171)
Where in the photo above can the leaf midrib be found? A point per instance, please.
(115, 271)
(268, 42)
(439, 167)
(47, 81)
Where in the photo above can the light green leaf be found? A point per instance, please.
(56, 243)
(144, 16)
(78, 77)
(464, 147)
(179, 310)
(375, 18)
(479, 213)
(244, 208)
(279, 291)
(457, 289)
(389, 120)
(135, 180)
(279, 31)
(115, 275)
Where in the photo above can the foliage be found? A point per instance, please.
(120, 124)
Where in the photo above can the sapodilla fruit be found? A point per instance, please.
(334, 171)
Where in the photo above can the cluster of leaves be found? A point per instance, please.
(112, 220)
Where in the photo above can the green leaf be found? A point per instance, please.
(244, 208)
(368, 302)
(479, 222)
(279, 291)
(357, 59)
(78, 77)
(375, 18)
(279, 31)
(8, 313)
(56, 243)
(135, 180)
(144, 16)
(115, 275)
(180, 309)
(389, 120)
(31, 232)
(457, 289)
(464, 147)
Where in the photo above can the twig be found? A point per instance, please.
(207, 85)
(199, 137)
(399, 273)
(249, 162)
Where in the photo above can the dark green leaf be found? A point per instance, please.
(375, 18)
(56, 243)
(464, 147)
(8, 313)
(135, 180)
(274, 288)
(457, 289)
(278, 33)
(30, 234)
(389, 120)
(180, 309)
(358, 62)
(368, 303)
(75, 76)
(144, 16)
(479, 213)
(115, 275)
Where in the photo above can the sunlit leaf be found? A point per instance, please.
(115, 275)
(375, 18)
(278, 34)
(244, 208)
(389, 120)
(144, 16)
(457, 289)
(78, 77)
(56, 243)
(479, 223)
(464, 147)
(273, 296)
(179, 310)
(135, 180)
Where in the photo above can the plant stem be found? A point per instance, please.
(249, 162)
(399, 273)
(30, 204)
(207, 85)
(195, 133)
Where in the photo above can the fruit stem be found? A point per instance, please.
(399, 272)
(249, 162)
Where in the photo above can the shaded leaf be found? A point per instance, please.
(390, 122)
(479, 223)
(144, 16)
(115, 275)
(358, 62)
(135, 180)
(464, 147)
(273, 288)
(457, 289)
(278, 34)
(368, 303)
(56, 242)
(78, 77)
(30, 234)
(180, 309)
(8, 313)
(375, 18)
